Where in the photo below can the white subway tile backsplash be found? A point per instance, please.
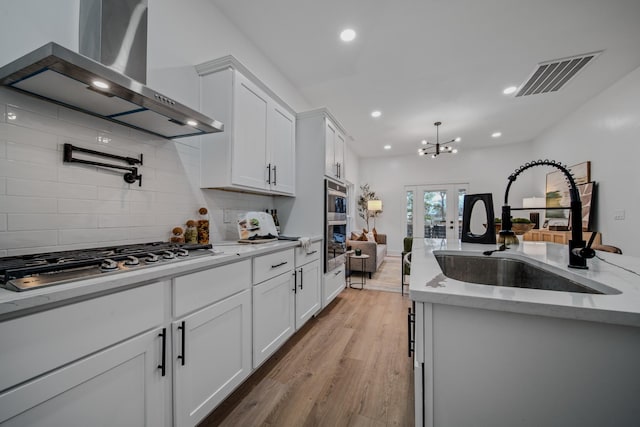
(28, 136)
(25, 222)
(81, 206)
(18, 169)
(18, 204)
(28, 239)
(112, 221)
(3, 185)
(18, 222)
(33, 154)
(33, 120)
(88, 235)
(25, 187)
(29, 103)
(3, 222)
(3, 149)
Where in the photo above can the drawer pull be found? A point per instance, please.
(279, 265)
(312, 252)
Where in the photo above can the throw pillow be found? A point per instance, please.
(362, 237)
(370, 237)
(375, 234)
(354, 236)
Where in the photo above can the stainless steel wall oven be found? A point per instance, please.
(335, 239)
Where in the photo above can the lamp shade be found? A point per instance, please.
(374, 205)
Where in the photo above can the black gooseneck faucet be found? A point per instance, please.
(578, 253)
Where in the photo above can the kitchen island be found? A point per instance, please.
(501, 356)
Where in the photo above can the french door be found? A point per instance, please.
(435, 211)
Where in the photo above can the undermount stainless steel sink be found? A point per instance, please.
(502, 271)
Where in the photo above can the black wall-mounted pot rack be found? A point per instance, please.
(130, 177)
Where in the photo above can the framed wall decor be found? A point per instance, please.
(557, 192)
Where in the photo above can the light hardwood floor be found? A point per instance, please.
(347, 367)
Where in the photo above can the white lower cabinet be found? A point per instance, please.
(334, 282)
(120, 386)
(212, 349)
(273, 315)
(308, 292)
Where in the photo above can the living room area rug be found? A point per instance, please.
(387, 278)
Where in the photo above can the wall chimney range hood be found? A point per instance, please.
(60, 75)
(115, 30)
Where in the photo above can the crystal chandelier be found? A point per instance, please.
(434, 150)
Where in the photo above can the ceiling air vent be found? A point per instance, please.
(550, 76)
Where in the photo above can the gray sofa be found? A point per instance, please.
(376, 252)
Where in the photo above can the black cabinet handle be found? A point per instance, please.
(279, 265)
(184, 333)
(274, 175)
(312, 252)
(269, 169)
(163, 365)
(295, 281)
(301, 276)
(410, 341)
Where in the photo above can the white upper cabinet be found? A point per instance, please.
(334, 151)
(256, 151)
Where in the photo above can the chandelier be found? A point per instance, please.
(434, 150)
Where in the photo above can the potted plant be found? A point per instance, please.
(363, 211)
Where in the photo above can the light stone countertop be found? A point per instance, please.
(428, 284)
(14, 304)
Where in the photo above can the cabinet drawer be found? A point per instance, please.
(197, 290)
(272, 265)
(40, 342)
(303, 257)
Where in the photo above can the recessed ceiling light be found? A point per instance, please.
(100, 84)
(424, 142)
(458, 139)
(192, 123)
(376, 114)
(11, 116)
(387, 147)
(347, 35)
(496, 134)
(509, 90)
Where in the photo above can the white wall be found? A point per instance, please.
(486, 171)
(186, 33)
(48, 205)
(605, 131)
(352, 173)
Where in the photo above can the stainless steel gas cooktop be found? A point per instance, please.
(25, 272)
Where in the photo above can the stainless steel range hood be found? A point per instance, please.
(60, 75)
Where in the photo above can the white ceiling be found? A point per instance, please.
(421, 61)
